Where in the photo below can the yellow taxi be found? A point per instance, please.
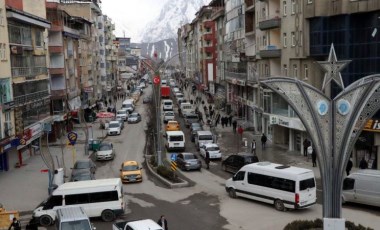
(172, 126)
(130, 172)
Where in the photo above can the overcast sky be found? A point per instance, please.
(130, 16)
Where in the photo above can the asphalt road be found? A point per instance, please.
(205, 205)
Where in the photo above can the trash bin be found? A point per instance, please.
(58, 177)
(93, 144)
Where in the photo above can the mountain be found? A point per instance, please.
(160, 34)
(173, 15)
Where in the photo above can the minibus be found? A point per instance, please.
(281, 185)
(203, 137)
(99, 198)
(175, 140)
(72, 218)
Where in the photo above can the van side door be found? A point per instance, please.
(240, 183)
(349, 190)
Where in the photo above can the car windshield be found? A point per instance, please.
(122, 112)
(130, 167)
(167, 103)
(114, 125)
(213, 148)
(105, 147)
(169, 114)
(82, 176)
(134, 115)
(191, 116)
(195, 125)
(189, 157)
(82, 165)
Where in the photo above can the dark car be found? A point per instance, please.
(193, 130)
(234, 162)
(188, 161)
(83, 164)
(190, 118)
(82, 174)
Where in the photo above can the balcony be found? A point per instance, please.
(59, 93)
(208, 37)
(270, 22)
(28, 72)
(217, 12)
(208, 24)
(55, 49)
(70, 52)
(208, 49)
(24, 99)
(57, 71)
(56, 27)
(270, 51)
(235, 75)
(250, 5)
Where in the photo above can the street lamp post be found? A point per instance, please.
(334, 125)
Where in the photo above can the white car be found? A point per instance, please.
(122, 114)
(114, 128)
(213, 150)
(168, 116)
(105, 151)
(142, 84)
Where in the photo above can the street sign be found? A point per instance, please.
(173, 166)
(173, 157)
(22, 141)
(72, 136)
(156, 80)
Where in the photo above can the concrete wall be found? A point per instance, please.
(80, 10)
(5, 65)
(35, 7)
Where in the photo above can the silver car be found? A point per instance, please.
(105, 152)
(134, 118)
(188, 161)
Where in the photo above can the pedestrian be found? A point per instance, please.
(363, 164)
(179, 111)
(210, 107)
(222, 121)
(200, 117)
(106, 103)
(207, 160)
(253, 147)
(309, 150)
(191, 101)
(349, 166)
(203, 102)
(110, 101)
(15, 224)
(205, 108)
(211, 113)
(217, 120)
(230, 119)
(234, 125)
(263, 141)
(314, 158)
(305, 145)
(163, 222)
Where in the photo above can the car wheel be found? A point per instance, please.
(232, 193)
(46, 220)
(279, 205)
(108, 215)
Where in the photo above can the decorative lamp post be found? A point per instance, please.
(334, 125)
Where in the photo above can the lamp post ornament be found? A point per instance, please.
(333, 124)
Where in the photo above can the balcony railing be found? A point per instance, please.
(21, 100)
(27, 72)
(270, 51)
(270, 22)
(241, 76)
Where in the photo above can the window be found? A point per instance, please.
(293, 39)
(7, 124)
(285, 40)
(263, 13)
(306, 184)
(295, 70)
(306, 71)
(348, 184)
(39, 38)
(300, 38)
(284, 8)
(239, 176)
(293, 6)
(2, 21)
(271, 182)
(52, 202)
(2, 52)
(103, 196)
(285, 70)
(264, 40)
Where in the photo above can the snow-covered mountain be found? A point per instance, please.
(173, 15)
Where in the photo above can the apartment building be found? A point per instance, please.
(111, 55)
(27, 24)
(8, 141)
(91, 12)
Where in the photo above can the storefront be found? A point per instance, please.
(30, 143)
(6, 148)
(368, 145)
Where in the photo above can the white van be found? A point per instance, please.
(164, 82)
(175, 140)
(167, 105)
(203, 137)
(129, 105)
(186, 107)
(99, 198)
(362, 187)
(280, 185)
(72, 218)
(137, 225)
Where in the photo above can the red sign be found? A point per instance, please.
(156, 80)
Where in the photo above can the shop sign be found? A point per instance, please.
(291, 123)
(8, 105)
(372, 125)
(35, 129)
(88, 89)
(37, 104)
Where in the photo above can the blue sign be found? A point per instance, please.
(72, 136)
(173, 156)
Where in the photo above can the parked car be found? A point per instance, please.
(147, 100)
(121, 121)
(134, 118)
(122, 114)
(81, 175)
(105, 151)
(193, 130)
(130, 172)
(80, 165)
(114, 128)
(190, 118)
(173, 126)
(142, 84)
(213, 150)
(168, 116)
(188, 161)
(235, 162)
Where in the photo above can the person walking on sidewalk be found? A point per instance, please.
(163, 222)
(263, 141)
(314, 158)
(306, 144)
(234, 125)
(207, 160)
(230, 119)
(363, 164)
(349, 166)
(253, 147)
(15, 224)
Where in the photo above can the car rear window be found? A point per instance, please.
(205, 137)
(168, 103)
(308, 183)
(176, 138)
(192, 117)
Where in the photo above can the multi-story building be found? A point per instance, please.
(7, 140)
(90, 11)
(110, 54)
(29, 57)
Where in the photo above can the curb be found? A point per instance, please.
(163, 180)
